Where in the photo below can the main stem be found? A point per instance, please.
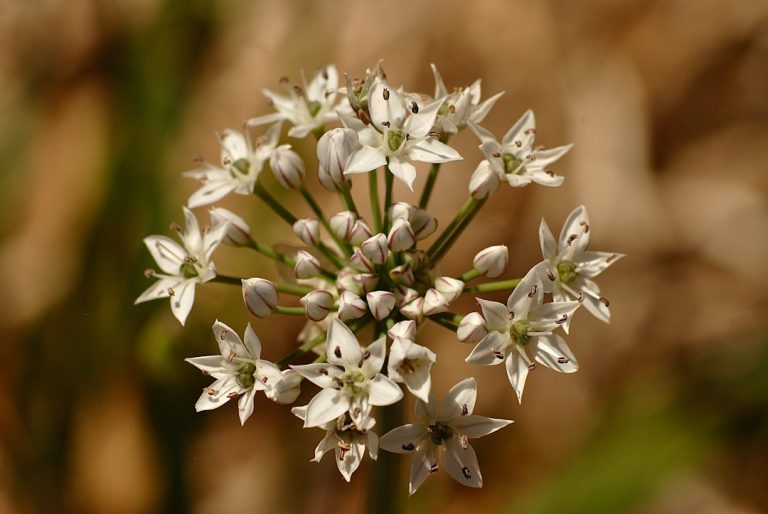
(463, 224)
(384, 477)
(373, 190)
(389, 180)
(429, 185)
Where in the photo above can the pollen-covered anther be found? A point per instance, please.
(530, 157)
(550, 173)
(149, 273)
(434, 133)
(496, 154)
(337, 352)
(519, 144)
(171, 292)
(175, 227)
(231, 356)
(232, 395)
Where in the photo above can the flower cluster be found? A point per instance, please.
(367, 284)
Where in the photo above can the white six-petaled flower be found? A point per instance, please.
(525, 322)
(442, 435)
(183, 267)
(461, 106)
(570, 268)
(516, 159)
(239, 372)
(351, 380)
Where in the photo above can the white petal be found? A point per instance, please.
(182, 300)
(209, 364)
(329, 442)
(546, 157)
(327, 405)
(158, 290)
(496, 314)
(266, 119)
(404, 439)
(404, 171)
(544, 178)
(482, 110)
(364, 160)
(166, 252)
(217, 394)
(419, 381)
(321, 374)
(191, 236)
(552, 351)
(516, 131)
(591, 264)
(461, 464)
(419, 124)
(528, 294)
(483, 134)
(383, 391)
(230, 345)
(593, 302)
(252, 343)
(342, 347)
(433, 151)
(389, 109)
(373, 357)
(491, 350)
(547, 241)
(424, 463)
(245, 405)
(518, 365)
(348, 460)
(574, 237)
(460, 399)
(547, 317)
(211, 191)
(478, 426)
(440, 89)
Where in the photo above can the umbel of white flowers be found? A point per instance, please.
(366, 286)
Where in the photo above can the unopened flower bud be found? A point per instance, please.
(403, 329)
(402, 275)
(423, 224)
(345, 281)
(359, 262)
(366, 282)
(342, 224)
(404, 295)
(308, 230)
(287, 389)
(260, 296)
(318, 304)
(376, 249)
(484, 181)
(307, 265)
(413, 310)
(492, 261)
(381, 303)
(434, 302)
(333, 150)
(471, 328)
(401, 210)
(401, 236)
(287, 167)
(449, 287)
(351, 306)
(238, 233)
(360, 232)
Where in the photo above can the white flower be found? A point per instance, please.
(399, 133)
(571, 267)
(515, 159)
(350, 380)
(410, 364)
(308, 106)
(241, 163)
(238, 234)
(525, 323)
(347, 439)
(239, 372)
(461, 106)
(183, 267)
(442, 435)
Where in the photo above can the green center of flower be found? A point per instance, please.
(188, 270)
(408, 366)
(519, 331)
(242, 165)
(439, 432)
(345, 427)
(566, 270)
(353, 382)
(314, 107)
(395, 139)
(244, 377)
(511, 163)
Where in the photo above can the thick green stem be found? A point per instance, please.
(282, 287)
(471, 275)
(384, 496)
(389, 182)
(463, 224)
(450, 322)
(429, 185)
(491, 287)
(373, 191)
(273, 204)
(346, 196)
(291, 311)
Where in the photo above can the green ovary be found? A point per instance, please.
(353, 382)
(519, 331)
(244, 377)
(566, 271)
(188, 270)
(511, 163)
(242, 165)
(440, 432)
(314, 107)
(394, 139)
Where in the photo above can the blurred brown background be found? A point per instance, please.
(104, 102)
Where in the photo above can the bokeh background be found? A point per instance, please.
(103, 103)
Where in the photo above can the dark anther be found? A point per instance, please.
(414, 107)
(408, 447)
(571, 239)
(531, 366)
(496, 154)
(149, 273)
(585, 225)
(337, 352)
(605, 301)
(324, 371)
(466, 473)
(519, 144)
(550, 173)
(283, 79)
(498, 354)
(562, 360)
(451, 108)
(385, 123)
(386, 94)
(366, 354)
(433, 468)
(581, 297)
(562, 320)
(534, 288)
(611, 259)
(464, 410)
(550, 275)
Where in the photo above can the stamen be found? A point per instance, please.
(519, 144)
(562, 360)
(175, 227)
(433, 468)
(571, 239)
(386, 123)
(232, 395)
(464, 409)
(531, 366)
(337, 352)
(585, 225)
(550, 275)
(414, 107)
(611, 258)
(534, 288)
(408, 447)
(581, 296)
(498, 354)
(562, 320)
(464, 441)
(197, 158)
(149, 273)
(298, 90)
(605, 301)
(451, 108)
(550, 173)
(496, 154)
(511, 315)
(386, 94)
(283, 80)
(171, 292)
(466, 473)
(434, 133)
(210, 391)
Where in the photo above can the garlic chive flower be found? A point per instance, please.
(570, 268)
(461, 106)
(239, 372)
(441, 436)
(183, 267)
(525, 324)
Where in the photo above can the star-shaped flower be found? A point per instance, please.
(571, 268)
(461, 106)
(308, 106)
(515, 159)
(241, 163)
(400, 132)
(350, 380)
(348, 440)
(239, 372)
(525, 323)
(183, 267)
(410, 364)
(442, 435)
